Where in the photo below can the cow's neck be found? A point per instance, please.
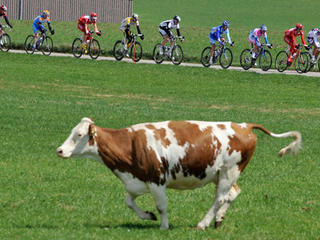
(114, 146)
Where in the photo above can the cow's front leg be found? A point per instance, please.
(142, 214)
(160, 198)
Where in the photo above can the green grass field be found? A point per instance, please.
(198, 17)
(45, 197)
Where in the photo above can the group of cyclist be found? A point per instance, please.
(165, 30)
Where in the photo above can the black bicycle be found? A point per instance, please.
(264, 58)
(134, 51)
(5, 40)
(301, 59)
(313, 64)
(175, 54)
(92, 47)
(222, 53)
(44, 44)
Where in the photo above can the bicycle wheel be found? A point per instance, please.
(28, 44)
(136, 52)
(46, 46)
(205, 57)
(302, 62)
(94, 49)
(281, 61)
(226, 58)
(177, 55)
(118, 50)
(157, 57)
(5, 43)
(246, 59)
(77, 49)
(265, 60)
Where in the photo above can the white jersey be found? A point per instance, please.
(168, 25)
(313, 37)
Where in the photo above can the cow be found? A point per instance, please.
(151, 157)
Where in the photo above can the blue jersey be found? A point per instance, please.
(38, 22)
(216, 33)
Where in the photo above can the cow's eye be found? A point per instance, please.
(79, 135)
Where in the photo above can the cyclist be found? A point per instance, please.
(165, 31)
(38, 25)
(3, 13)
(125, 28)
(313, 39)
(254, 39)
(83, 23)
(290, 39)
(215, 35)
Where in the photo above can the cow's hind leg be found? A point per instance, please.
(224, 187)
(142, 214)
(232, 195)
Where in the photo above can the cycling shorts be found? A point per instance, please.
(36, 27)
(213, 39)
(163, 32)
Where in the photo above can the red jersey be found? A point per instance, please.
(291, 33)
(86, 20)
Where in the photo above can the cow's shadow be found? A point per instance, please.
(139, 226)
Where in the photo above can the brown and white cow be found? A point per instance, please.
(151, 157)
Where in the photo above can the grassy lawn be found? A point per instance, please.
(196, 24)
(45, 197)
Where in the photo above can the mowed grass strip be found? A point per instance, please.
(45, 197)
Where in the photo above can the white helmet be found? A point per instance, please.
(176, 17)
(135, 16)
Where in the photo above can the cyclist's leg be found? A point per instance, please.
(165, 37)
(252, 40)
(316, 51)
(81, 27)
(35, 28)
(213, 45)
(292, 46)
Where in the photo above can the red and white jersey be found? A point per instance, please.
(86, 20)
(292, 34)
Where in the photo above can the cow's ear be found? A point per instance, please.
(91, 131)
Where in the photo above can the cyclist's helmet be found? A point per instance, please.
(3, 8)
(46, 13)
(177, 18)
(263, 28)
(299, 26)
(225, 24)
(93, 16)
(135, 17)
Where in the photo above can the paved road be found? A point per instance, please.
(257, 70)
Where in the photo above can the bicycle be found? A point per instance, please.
(5, 40)
(175, 54)
(134, 51)
(222, 52)
(264, 58)
(79, 47)
(44, 44)
(316, 60)
(301, 60)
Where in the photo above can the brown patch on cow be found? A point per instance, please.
(244, 141)
(128, 152)
(221, 126)
(160, 135)
(201, 152)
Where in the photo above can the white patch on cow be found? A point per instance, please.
(132, 185)
(243, 125)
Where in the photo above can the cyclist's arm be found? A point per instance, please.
(219, 36)
(138, 29)
(228, 36)
(7, 21)
(96, 27)
(49, 26)
(86, 28)
(178, 32)
(266, 38)
(302, 38)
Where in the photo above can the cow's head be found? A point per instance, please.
(78, 143)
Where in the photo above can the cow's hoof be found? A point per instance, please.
(217, 224)
(152, 216)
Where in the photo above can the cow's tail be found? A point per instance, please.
(293, 147)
